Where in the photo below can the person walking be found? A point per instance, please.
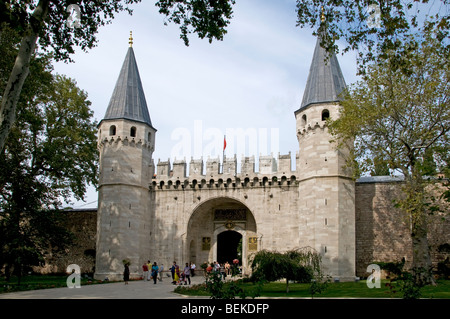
(209, 269)
(155, 269)
(175, 272)
(172, 270)
(187, 274)
(216, 266)
(149, 266)
(192, 269)
(222, 271)
(227, 268)
(144, 271)
(126, 273)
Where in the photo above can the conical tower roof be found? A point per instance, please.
(128, 99)
(325, 80)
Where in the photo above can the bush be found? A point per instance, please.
(443, 269)
(409, 283)
(395, 268)
(300, 265)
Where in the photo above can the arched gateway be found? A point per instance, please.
(221, 229)
(158, 212)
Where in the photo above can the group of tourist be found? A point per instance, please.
(224, 269)
(152, 271)
(179, 277)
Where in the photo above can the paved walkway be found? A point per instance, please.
(134, 290)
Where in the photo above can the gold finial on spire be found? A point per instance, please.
(130, 40)
(323, 15)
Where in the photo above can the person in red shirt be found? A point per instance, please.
(144, 271)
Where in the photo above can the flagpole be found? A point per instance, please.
(223, 153)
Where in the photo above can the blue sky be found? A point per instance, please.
(253, 80)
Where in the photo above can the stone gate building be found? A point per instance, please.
(157, 212)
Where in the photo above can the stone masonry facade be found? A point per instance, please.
(381, 231)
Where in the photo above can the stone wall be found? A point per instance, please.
(183, 216)
(83, 224)
(382, 231)
(381, 234)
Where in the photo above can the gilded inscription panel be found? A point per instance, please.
(206, 243)
(230, 214)
(253, 243)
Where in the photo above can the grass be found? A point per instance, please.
(34, 282)
(273, 289)
(334, 290)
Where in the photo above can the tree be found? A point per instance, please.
(401, 117)
(51, 152)
(207, 18)
(380, 167)
(373, 28)
(301, 265)
(50, 155)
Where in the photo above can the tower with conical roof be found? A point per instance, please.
(126, 141)
(326, 188)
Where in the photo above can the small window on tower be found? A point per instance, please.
(149, 137)
(133, 131)
(325, 115)
(304, 119)
(112, 130)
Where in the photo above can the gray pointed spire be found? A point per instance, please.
(128, 99)
(325, 80)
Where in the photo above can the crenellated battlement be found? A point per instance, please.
(308, 128)
(125, 141)
(229, 173)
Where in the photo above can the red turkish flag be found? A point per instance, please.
(224, 143)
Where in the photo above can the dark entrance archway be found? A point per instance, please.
(204, 240)
(228, 246)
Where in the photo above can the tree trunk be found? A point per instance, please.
(19, 274)
(20, 71)
(11, 95)
(421, 262)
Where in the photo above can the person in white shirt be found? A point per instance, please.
(192, 269)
